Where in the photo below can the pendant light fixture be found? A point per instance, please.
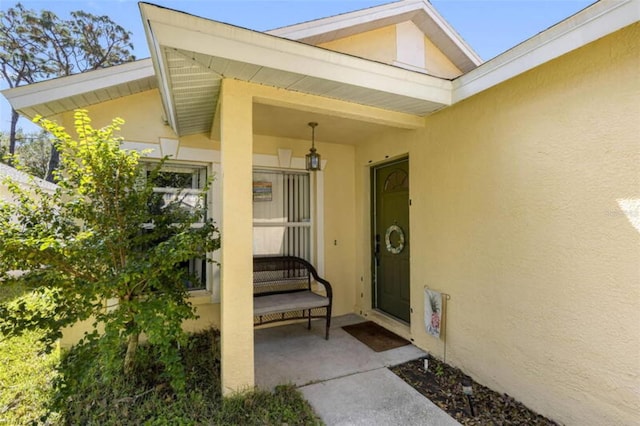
(313, 158)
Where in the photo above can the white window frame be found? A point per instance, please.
(196, 266)
(283, 160)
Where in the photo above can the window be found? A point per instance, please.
(184, 183)
(282, 213)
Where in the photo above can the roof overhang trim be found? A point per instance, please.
(420, 12)
(166, 28)
(596, 21)
(77, 84)
(251, 48)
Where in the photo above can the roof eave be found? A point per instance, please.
(421, 12)
(24, 97)
(170, 29)
(596, 21)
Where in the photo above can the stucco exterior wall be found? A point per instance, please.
(436, 63)
(377, 45)
(339, 225)
(403, 45)
(515, 215)
(142, 113)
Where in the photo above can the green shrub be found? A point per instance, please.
(104, 235)
(27, 369)
(85, 396)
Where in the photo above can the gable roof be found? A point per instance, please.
(420, 12)
(24, 179)
(227, 51)
(190, 73)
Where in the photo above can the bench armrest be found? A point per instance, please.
(268, 262)
(325, 283)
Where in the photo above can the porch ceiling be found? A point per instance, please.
(194, 91)
(193, 55)
(291, 123)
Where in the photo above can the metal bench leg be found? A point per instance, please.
(328, 322)
(309, 320)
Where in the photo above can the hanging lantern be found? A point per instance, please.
(313, 158)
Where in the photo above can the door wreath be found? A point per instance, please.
(387, 239)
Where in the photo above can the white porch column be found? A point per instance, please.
(236, 283)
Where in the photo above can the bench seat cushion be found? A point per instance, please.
(287, 302)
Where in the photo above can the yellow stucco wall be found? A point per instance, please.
(378, 45)
(142, 113)
(515, 214)
(437, 63)
(382, 45)
(339, 224)
(208, 316)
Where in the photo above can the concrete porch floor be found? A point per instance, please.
(345, 381)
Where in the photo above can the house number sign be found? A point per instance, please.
(394, 249)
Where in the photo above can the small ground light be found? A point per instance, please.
(467, 389)
(426, 364)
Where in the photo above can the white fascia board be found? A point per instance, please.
(400, 10)
(77, 84)
(158, 61)
(339, 22)
(239, 44)
(596, 21)
(451, 33)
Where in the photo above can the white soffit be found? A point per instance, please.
(62, 94)
(212, 50)
(420, 12)
(596, 21)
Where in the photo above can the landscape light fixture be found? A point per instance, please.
(313, 158)
(467, 390)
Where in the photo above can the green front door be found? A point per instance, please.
(391, 238)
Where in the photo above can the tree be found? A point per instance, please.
(36, 46)
(4, 146)
(32, 149)
(104, 246)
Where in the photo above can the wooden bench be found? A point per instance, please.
(287, 288)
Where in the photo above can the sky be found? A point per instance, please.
(490, 27)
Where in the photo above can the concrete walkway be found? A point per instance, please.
(345, 381)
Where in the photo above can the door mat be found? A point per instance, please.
(377, 338)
